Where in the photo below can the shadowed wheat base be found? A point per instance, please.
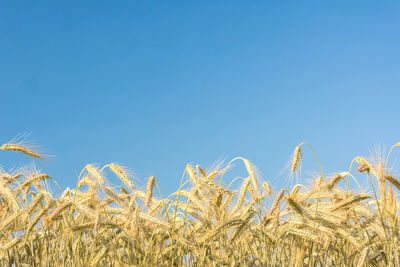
(203, 223)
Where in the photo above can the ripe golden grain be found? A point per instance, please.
(296, 206)
(363, 257)
(122, 175)
(21, 149)
(366, 166)
(216, 231)
(336, 179)
(296, 158)
(252, 174)
(242, 194)
(350, 201)
(103, 225)
(95, 173)
(277, 201)
(202, 172)
(149, 190)
(34, 179)
(393, 181)
(267, 188)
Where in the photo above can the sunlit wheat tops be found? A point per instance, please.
(267, 188)
(204, 223)
(149, 190)
(22, 149)
(94, 172)
(296, 158)
(122, 175)
(202, 172)
(242, 194)
(336, 179)
(252, 174)
(393, 181)
(366, 166)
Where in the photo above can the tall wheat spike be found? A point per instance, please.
(267, 188)
(296, 158)
(95, 173)
(21, 149)
(242, 194)
(393, 181)
(252, 174)
(122, 175)
(149, 190)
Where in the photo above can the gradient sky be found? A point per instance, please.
(156, 85)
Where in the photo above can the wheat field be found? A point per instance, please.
(204, 223)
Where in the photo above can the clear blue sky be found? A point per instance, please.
(156, 85)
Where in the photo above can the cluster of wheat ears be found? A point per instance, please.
(203, 223)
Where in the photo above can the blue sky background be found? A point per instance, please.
(156, 85)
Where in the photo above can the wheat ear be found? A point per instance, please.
(216, 231)
(242, 194)
(21, 149)
(122, 175)
(296, 158)
(252, 174)
(202, 172)
(393, 181)
(276, 202)
(267, 188)
(149, 191)
(348, 202)
(34, 179)
(366, 166)
(95, 173)
(296, 206)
